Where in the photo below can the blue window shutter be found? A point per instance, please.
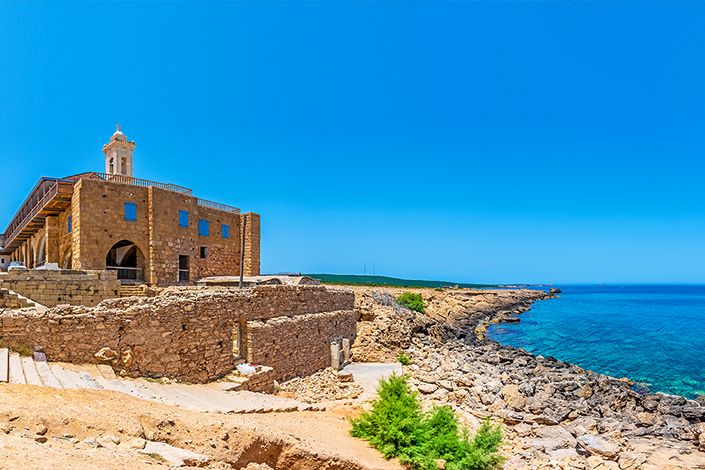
(130, 211)
(69, 221)
(226, 231)
(203, 228)
(183, 218)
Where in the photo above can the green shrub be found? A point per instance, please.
(397, 427)
(403, 359)
(412, 301)
(21, 349)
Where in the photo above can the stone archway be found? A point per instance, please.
(127, 259)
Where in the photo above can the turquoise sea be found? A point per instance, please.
(654, 335)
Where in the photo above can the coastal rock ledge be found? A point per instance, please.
(553, 412)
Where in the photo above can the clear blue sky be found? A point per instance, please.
(474, 142)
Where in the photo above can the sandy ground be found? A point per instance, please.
(76, 420)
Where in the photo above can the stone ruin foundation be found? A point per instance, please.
(195, 334)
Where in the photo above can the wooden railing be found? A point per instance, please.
(35, 202)
(128, 274)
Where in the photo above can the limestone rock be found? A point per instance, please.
(513, 398)
(427, 388)
(584, 392)
(136, 443)
(106, 354)
(631, 460)
(598, 446)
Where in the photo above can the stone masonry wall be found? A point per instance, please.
(168, 240)
(300, 345)
(252, 244)
(51, 288)
(187, 334)
(98, 209)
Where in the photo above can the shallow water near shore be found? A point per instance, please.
(651, 334)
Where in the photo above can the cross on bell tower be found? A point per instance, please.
(118, 154)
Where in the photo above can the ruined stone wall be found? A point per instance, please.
(51, 288)
(300, 345)
(252, 244)
(188, 334)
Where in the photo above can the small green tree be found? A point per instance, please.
(403, 359)
(412, 302)
(397, 427)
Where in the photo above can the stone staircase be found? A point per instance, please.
(212, 397)
(10, 299)
(131, 290)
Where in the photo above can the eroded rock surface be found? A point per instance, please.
(553, 412)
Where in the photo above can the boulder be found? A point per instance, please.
(584, 392)
(631, 460)
(598, 446)
(427, 388)
(513, 398)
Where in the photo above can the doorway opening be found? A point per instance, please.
(183, 268)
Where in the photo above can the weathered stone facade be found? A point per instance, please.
(149, 232)
(188, 333)
(52, 288)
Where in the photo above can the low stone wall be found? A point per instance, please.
(65, 286)
(188, 334)
(9, 299)
(298, 346)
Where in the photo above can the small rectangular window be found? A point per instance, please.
(69, 223)
(183, 218)
(226, 231)
(203, 228)
(204, 252)
(131, 211)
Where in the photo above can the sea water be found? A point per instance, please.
(653, 335)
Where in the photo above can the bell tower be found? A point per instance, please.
(118, 154)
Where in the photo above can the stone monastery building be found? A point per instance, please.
(149, 232)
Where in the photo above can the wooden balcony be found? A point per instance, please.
(50, 197)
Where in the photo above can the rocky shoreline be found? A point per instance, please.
(557, 415)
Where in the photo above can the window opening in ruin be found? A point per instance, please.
(131, 211)
(204, 252)
(69, 224)
(203, 228)
(238, 342)
(183, 268)
(226, 231)
(127, 259)
(183, 218)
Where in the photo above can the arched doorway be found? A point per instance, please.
(127, 259)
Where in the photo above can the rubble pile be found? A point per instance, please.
(326, 385)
